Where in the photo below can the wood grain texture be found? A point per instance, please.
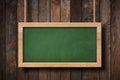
(22, 73)
(2, 39)
(75, 10)
(44, 10)
(44, 74)
(87, 10)
(55, 10)
(65, 10)
(55, 74)
(115, 40)
(76, 74)
(105, 19)
(11, 40)
(97, 9)
(32, 10)
(87, 16)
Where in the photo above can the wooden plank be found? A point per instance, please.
(32, 10)
(75, 10)
(2, 39)
(97, 9)
(87, 10)
(55, 74)
(44, 10)
(65, 10)
(22, 73)
(11, 40)
(44, 74)
(55, 11)
(20, 10)
(76, 74)
(105, 19)
(32, 13)
(115, 40)
(65, 74)
(87, 16)
(44, 16)
(55, 17)
(75, 16)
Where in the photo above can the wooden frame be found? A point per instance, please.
(58, 64)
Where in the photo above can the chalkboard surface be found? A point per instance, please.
(59, 44)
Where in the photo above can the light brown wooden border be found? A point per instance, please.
(58, 64)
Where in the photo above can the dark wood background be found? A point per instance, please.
(108, 12)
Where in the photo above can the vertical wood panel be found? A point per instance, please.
(11, 40)
(87, 16)
(44, 10)
(33, 73)
(65, 10)
(105, 19)
(76, 74)
(22, 73)
(2, 39)
(44, 16)
(32, 10)
(97, 9)
(76, 16)
(87, 10)
(115, 40)
(55, 10)
(65, 74)
(75, 10)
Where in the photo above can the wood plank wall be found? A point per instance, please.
(107, 12)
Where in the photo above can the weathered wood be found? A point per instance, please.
(44, 16)
(55, 74)
(44, 10)
(105, 19)
(87, 16)
(33, 74)
(22, 73)
(97, 9)
(2, 39)
(65, 10)
(44, 74)
(32, 10)
(32, 13)
(20, 10)
(76, 74)
(11, 40)
(115, 40)
(55, 10)
(65, 74)
(87, 10)
(76, 16)
(90, 74)
(75, 10)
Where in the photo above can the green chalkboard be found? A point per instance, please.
(59, 44)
